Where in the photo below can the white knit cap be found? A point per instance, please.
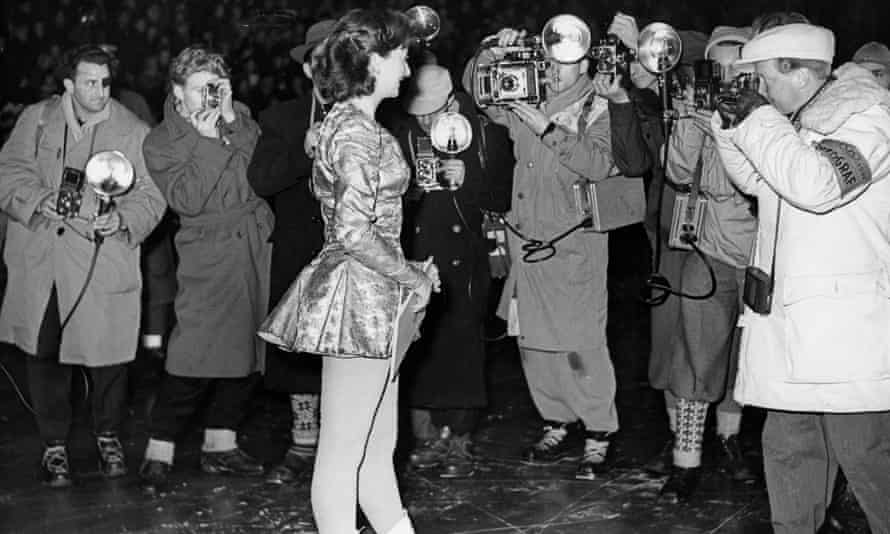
(796, 41)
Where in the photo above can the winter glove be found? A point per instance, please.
(735, 107)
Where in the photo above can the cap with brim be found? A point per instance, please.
(727, 34)
(873, 52)
(314, 35)
(796, 41)
(431, 88)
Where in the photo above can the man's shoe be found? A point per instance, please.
(680, 485)
(234, 462)
(594, 459)
(732, 461)
(55, 472)
(112, 462)
(553, 447)
(154, 476)
(432, 453)
(460, 460)
(290, 468)
(662, 463)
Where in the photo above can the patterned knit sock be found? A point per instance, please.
(691, 417)
(305, 429)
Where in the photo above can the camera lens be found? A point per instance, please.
(509, 83)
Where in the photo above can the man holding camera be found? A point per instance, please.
(814, 147)
(701, 360)
(557, 306)
(72, 300)
(445, 369)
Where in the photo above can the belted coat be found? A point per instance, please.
(222, 243)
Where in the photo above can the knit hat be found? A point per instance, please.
(797, 41)
(727, 34)
(873, 52)
(431, 88)
(316, 33)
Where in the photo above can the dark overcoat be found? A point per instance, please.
(445, 368)
(280, 171)
(222, 244)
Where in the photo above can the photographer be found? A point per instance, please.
(700, 364)
(52, 258)
(445, 372)
(199, 156)
(875, 57)
(814, 148)
(586, 129)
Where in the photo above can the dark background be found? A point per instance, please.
(35, 33)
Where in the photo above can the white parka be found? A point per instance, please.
(825, 345)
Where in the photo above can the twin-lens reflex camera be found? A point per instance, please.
(709, 87)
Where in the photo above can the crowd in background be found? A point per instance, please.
(256, 35)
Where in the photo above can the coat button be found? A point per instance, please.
(455, 263)
(60, 230)
(530, 164)
(456, 228)
(239, 234)
(416, 229)
(520, 196)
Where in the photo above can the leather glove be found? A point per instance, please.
(734, 109)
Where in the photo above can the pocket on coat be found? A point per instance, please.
(837, 328)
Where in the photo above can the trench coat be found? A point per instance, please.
(562, 301)
(41, 254)
(445, 368)
(222, 244)
(280, 171)
(824, 345)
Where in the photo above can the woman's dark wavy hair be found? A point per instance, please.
(340, 63)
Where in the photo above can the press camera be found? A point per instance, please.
(519, 77)
(709, 87)
(610, 55)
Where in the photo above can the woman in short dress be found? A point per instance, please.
(344, 305)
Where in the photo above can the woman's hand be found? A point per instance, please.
(225, 95)
(205, 121)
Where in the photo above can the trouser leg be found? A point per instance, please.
(861, 443)
(109, 397)
(543, 384)
(50, 385)
(799, 469)
(178, 398)
(586, 379)
(229, 401)
(49, 381)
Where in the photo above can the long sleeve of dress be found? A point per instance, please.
(357, 159)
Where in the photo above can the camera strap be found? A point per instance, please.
(65, 145)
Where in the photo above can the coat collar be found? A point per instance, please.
(578, 91)
(79, 130)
